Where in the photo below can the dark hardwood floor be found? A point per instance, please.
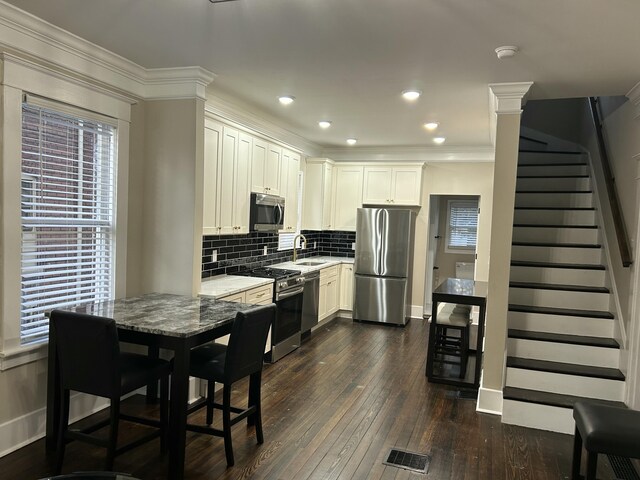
(332, 410)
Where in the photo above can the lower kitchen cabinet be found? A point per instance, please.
(329, 293)
(346, 286)
(257, 296)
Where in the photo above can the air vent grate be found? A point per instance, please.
(623, 468)
(415, 462)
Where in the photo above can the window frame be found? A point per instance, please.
(460, 250)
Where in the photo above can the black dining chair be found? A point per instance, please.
(241, 358)
(90, 361)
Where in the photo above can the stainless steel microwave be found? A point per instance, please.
(266, 213)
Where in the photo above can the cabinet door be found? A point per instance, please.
(346, 287)
(291, 210)
(210, 197)
(226, 179)
(241, 184)
(377, 185)
(347, 197)
(406, 185)
(258, 165)
(333, 297)
(272, 170)
(327, 178)
(322, 299)
(284, 186)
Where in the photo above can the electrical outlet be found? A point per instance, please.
(315, 244)
(214, 256)
(353, 246)
(264, 250)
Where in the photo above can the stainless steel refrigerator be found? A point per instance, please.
(383, 265)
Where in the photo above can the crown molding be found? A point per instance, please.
(243, 115)
(27, 36)
(481, 153)
(634, 96)
(508, 97)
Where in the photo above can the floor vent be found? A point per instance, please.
(623, 468)
(462, 394)
(415, 462)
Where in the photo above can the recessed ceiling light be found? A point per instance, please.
(439, 140)
(411, 95)
(352, 141)
(431, 125)
(324, 123)
(506, 51)
(286, 99)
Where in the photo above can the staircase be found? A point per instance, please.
(560, 345)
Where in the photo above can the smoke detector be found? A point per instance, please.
(506, 51)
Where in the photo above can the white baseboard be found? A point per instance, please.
(417, 311)
(489, 401)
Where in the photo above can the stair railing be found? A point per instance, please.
(612, 194)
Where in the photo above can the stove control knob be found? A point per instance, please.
(282, 285)
(300, 280)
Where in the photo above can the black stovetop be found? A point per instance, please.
(267, 272)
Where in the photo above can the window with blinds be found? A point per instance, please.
(67, 210)
(462, 228)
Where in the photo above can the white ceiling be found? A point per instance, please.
(349, 60)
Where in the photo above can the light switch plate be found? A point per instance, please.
(214, 256)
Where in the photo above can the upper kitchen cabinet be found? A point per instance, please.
(392, 184)
(265, 167)
(226, 180)
(289, 168)
(318, 186)
(347, 196)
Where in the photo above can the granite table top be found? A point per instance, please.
(165, 314)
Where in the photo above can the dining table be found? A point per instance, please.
(176, 323)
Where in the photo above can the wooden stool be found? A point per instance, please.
(603, 429)
(454, 317)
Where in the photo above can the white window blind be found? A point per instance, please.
(67, 210)
(285, 240)
(462, 229)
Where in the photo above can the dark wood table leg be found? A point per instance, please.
(152, 388)
(479, 342)
(432, 339)
(254, 394)
(53, 396)
(178, 412)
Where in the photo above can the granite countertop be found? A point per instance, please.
(225, 285)
(166, 314)
(326, 262)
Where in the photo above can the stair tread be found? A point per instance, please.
(556, 208)
(546, 192)
(577, 266)
(537, 225)
(562, 152)
(557, 245)
(565, 368)
(552, 399)
(563, 338)
(559, 164)
(570, 312)
(552, 176)
(559, 286)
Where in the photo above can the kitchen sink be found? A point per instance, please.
(310, 264)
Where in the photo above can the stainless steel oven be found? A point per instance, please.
(266, 213)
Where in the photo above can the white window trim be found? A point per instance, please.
(460, 250)
(23, 79)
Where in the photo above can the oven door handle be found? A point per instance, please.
(282, 296)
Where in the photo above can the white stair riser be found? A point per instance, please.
(553, 200)
(552, 184)
(555, 217)
(566, 276)
(559, 299)
(536, 322)
(591, 256)
(540, 170)
(566, 384)
(563, 352)
(535, 158)
(555, 235)
(542, 417)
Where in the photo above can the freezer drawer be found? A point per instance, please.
(378, 299)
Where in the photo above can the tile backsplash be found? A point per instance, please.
(235, 252)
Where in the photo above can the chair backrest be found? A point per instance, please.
(245, 351)
(88, 352)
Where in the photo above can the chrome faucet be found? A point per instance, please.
(304, 243)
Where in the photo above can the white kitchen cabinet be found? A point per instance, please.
(265, 167)
(347, 196)
(346, 286)
(329, 296)
(226, 199)
(289, 168)
(318, 187)
(257, 296)
(392, 185)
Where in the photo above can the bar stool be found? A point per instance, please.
(456, 318)
(603, 429)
